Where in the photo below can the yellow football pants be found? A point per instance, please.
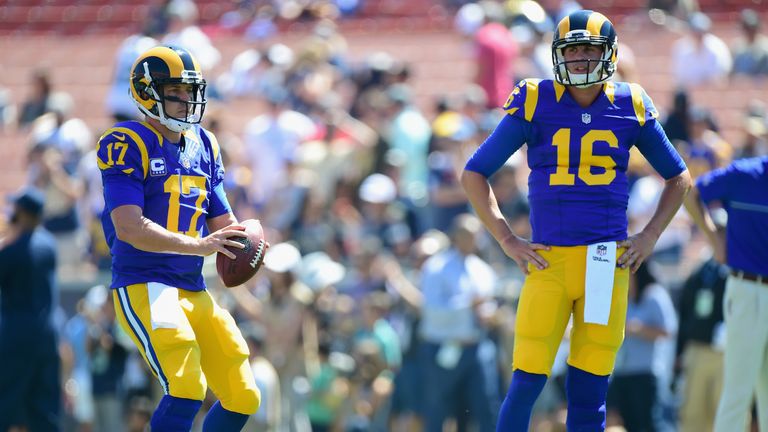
(203, 347)
(548, 299)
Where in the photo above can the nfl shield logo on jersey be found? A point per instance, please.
(586, 118)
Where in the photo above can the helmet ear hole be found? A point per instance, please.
(141, 89)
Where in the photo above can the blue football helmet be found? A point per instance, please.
(585, 27)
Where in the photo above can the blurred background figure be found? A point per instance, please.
(677, 121)
(739, 189)
(108, 349)
(37, 103)
(458, 359)
(76, 367)
(327, 390)
(29, 298)
(183, 31)
(700, 342)
(267, 419)
(700, 57)
(639, 386)
(139, 415)
(280, 308)
(496, 52)
(706, 149)
(119, 102)
(750, 52)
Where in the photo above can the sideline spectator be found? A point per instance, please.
(39, 101)
(742, 189)
(750, 53)
(458, 360)
(119, 103)
(700, 57)
(700, 344)
(29, 359)
(637, 384)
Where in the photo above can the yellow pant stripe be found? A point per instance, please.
(140, 333)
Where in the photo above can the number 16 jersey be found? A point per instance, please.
(578, 187)
(177, 187)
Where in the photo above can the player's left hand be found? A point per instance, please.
(639, 247)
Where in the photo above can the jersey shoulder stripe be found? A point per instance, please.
(210, 138)
(524, 96)
(124, 137)
(157, 134)
(642, 104)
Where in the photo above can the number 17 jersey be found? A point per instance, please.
(578, 188)
(177, 187)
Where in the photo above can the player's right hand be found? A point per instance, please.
(216, 241)
(523, 252)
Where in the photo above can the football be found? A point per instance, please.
(248, 260)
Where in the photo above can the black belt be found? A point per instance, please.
(750, 276)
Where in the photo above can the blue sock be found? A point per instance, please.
(174, 414)
(586, 400)
(515, 413)
(220, 420)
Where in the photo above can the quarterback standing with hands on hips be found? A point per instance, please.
(579, 129)
(165, 210)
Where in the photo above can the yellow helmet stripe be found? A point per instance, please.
(173, 61)
(564, 27)
(595, 23)
(531, 97)
(195, 63)
(637, 102)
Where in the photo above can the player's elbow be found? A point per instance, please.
(471, 178)
(687, 181)
(683, 182)
(128, 223)
(126, 232)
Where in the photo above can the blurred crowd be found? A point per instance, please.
(382, 301)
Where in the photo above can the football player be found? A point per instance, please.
(579, 129)
(165, 210)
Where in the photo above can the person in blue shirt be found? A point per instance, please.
(742, 190)
(29, 357)
(579, 129)
(165, 210)
(459, 375)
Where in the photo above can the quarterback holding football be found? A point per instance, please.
(165, 210)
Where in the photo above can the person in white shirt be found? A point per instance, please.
(184, 32)
(701, 57)
(119, 103)
(457, 356)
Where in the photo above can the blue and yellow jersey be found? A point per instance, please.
(176, 189)
(578, 187)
